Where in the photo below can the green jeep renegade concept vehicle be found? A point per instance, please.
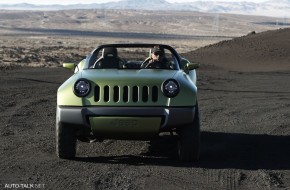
(120, 92)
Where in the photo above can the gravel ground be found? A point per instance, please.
(245, 138)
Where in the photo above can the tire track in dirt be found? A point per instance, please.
(25, 126)
(18, 128)
(13, 164)
(62, 179)
(116, 179)
(223, 179)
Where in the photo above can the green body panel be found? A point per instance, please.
(80, 66)
(65, 94)
(125, 127)
(130, 78)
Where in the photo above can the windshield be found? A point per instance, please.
(156, 57)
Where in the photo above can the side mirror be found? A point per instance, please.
(192, 66)
(70, 66)
(188, 66)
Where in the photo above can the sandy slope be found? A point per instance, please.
(266, 51)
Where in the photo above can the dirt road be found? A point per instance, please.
(245, 138)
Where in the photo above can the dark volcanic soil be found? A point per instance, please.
(245, 122)
(266, 51)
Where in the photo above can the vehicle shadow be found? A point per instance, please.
(218, 151)
(162, 151)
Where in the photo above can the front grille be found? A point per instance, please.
(126, 93)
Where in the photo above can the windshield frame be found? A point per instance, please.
(93, 55)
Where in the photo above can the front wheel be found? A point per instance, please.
(65, 141)
(189, 140)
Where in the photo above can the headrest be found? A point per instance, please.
(110, 52)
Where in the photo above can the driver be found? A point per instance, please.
(157, 59)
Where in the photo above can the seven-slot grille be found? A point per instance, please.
(126, 93)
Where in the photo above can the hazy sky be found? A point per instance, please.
(95, 1)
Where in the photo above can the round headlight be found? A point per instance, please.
(170, 88)
(82, 87)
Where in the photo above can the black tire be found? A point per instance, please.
(189, 140)
(65, 141)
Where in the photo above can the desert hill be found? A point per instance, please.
(48, 38)
(265, 51)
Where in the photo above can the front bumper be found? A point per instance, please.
(158, 119)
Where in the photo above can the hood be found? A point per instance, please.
(132, 76)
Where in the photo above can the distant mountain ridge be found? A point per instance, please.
(272, 8)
